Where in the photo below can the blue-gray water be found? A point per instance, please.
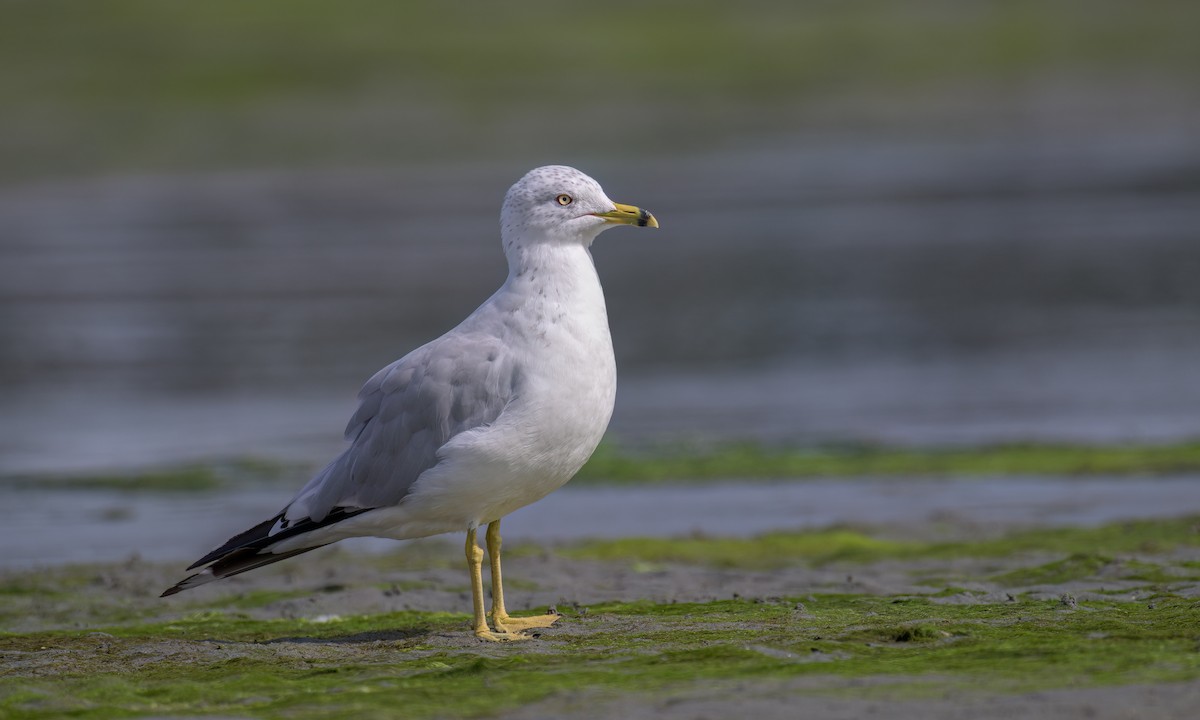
(816, 290)
(57, 527)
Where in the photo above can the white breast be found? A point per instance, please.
(558, 327)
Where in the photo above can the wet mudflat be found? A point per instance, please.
(912, 628)
(1069, 613)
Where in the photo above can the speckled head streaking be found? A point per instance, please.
(559, 204)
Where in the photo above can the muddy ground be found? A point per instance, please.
(378, 615)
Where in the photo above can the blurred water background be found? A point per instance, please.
(932, 222)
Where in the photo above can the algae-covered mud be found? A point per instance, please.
(911, 621)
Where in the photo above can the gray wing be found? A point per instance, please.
(407, 411)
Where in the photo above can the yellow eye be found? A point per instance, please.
(564, 199)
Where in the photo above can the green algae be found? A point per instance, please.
(194, 477)
(762, 552)
(819, 547)
(225, 656)
(702, 463)
(262, 598)
(369, 666)
(1076, 567)
(1080, 566)
(264, 80)
(747, 460)
(188, 478)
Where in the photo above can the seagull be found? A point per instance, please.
(488, 418)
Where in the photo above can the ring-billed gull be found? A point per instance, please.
(488, 418)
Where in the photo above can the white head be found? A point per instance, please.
(559, 205)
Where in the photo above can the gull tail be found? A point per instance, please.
(252, 548)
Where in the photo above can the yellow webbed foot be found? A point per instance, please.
(501, 620)
(507, 623)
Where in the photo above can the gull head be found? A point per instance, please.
(556, 204)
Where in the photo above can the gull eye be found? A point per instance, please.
(564, 199)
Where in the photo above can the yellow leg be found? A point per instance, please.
(500, 617)
(475, 566)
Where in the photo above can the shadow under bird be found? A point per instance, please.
(490, 417)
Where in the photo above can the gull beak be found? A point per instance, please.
(628, 215)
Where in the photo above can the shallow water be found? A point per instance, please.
(56, 527)
(817, 290)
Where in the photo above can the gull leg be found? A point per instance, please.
(475, 566)
(500, 617)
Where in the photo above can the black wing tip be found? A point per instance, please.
(245, 551)
(188, 582)
(255, 536)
